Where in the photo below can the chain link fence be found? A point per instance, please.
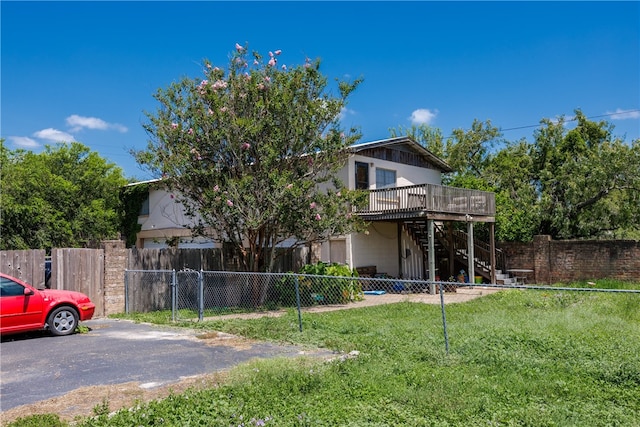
(194, 295)
(191, 295)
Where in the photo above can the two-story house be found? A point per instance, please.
(410, 215)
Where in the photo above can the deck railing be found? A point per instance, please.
(431, 198)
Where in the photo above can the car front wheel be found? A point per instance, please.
(63, 321)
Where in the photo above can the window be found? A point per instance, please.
(144, 209)
(362, 176)
(9, 288)
(385, 178)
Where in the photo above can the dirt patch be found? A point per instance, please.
(81, 402)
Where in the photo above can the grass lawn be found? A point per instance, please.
(517, 358)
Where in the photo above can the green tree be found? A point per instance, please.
(588, 180)
(567, 183)
(510, 175)
(429, 137)
(253, 151)
(65, 196)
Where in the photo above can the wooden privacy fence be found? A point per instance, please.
(208, 259)
(27, 266)
(80, 270)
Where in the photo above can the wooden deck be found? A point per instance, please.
(430, 201)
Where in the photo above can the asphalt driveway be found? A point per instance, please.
(37, 366)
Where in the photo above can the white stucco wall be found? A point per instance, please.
(164, 212)
(405, 174)
(379, 247)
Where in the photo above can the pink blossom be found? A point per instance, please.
(210, 112)
(267, 79)
(318, 217)
(216, 188)
(284, 67)
(209, 66)
(216, 69)
(246, 146)
(338, 194)
(239, 48)
(229, 203)
(219, 84)
(196, 154)
(190, 131)
(289, 186)
(255, 62)
(223, 109)
(272, 62)
(270, 54)
(261, 86)
(174, 125)
(312, 205)
(307, 65)
(278, 52)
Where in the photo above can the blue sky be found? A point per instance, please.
(86, 71)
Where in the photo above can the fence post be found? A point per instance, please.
(295, 280)
(200, 296)
(174, 294)
(444, 318)
(126, 291)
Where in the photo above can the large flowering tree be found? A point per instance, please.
(253, 151)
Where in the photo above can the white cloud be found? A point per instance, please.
(79, 122)
(344, 112)
(24, 142)
(54, 135)
(423, 116)
(620, 114)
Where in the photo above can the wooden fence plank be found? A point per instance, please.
(26, 265)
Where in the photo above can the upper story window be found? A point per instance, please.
(144, 209)
(362, 176)
(385, 178)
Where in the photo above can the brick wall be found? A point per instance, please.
(555, 261)
(115, 262)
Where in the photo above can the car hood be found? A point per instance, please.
(59, 294)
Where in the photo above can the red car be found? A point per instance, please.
(24, 308)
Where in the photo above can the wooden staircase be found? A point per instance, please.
(456, 243)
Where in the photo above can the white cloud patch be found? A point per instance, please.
(620, 114)
(78, 123)
(55, 135)
(423, 116)
(24, 142)
(344, 112)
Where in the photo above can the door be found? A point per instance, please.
(338, 251)
(17, 310)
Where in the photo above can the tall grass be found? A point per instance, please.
(517, 358)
